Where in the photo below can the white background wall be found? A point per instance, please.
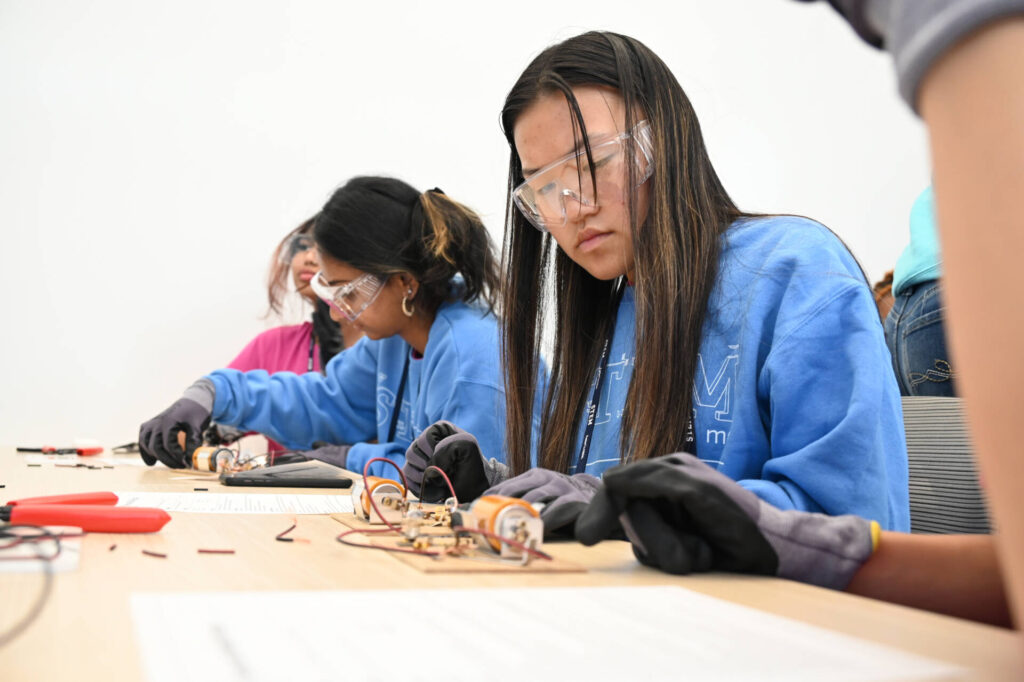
(152, 154)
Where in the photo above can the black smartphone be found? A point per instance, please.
(311, 474)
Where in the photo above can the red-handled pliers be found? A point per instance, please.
(92, 512)
(50, 450)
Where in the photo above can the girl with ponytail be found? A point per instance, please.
(416, 274)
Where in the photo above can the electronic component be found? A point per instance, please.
(510, 527)
(501, 518)
(388, 500)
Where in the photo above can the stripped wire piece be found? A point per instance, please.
(283, 535)
(280, 537)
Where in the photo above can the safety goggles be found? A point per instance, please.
(349, 299)
(545, 197)
(298, 243)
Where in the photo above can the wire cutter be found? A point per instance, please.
(92, 512)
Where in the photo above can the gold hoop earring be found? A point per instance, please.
(408, 308)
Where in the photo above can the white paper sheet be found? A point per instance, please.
(106, 461)
(237, 503)
(614, 633)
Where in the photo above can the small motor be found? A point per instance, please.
(388, 495)
(509, 517)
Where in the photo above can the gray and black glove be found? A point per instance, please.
(918, 33)
(564, 496)
(158, 438)
(457, 453)
(221, 434)
(682, 516)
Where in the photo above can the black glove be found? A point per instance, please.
(158, 438)
(682, 516)
(564, 496)
(454, 451)
(221, 434)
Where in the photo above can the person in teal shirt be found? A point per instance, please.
(914, 329)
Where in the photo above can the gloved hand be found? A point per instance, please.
(457, 453)
(221, 434)
(158, 438)
(325, 452)
(682, 516)
(564, 496)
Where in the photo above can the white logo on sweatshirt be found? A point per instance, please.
(715, 392)
(385, 412)
(616, 372)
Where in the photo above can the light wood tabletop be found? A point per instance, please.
(85, 631)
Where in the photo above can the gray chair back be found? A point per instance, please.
(945, 496)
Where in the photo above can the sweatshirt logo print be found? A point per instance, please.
(714, 392)
(385, 408)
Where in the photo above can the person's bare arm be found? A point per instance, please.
(973, 102)
(957, 575)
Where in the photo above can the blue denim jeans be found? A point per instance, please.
(917, 342)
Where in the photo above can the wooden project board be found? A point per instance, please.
(483, 562)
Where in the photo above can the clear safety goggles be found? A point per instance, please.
(349, 299)
(298, 243)
(544, 198)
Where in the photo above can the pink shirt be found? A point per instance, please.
(281, 349)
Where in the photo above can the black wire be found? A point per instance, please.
(37, 608)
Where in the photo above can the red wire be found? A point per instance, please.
(392, 528)
(281, 536)
(446, 480)
(369, 495)
(377, 531)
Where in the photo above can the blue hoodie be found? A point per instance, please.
(458, 378)
(794, 396)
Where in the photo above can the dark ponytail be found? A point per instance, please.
(384, 226)
(327, 332)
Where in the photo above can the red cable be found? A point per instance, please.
(378, 531)
(369, 495)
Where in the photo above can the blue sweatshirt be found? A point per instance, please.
(794, 396)
(458, 378)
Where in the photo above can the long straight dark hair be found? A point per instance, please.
(675, 254)
(384, 226)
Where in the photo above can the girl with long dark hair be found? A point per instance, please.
(679, 322)
(415, 273)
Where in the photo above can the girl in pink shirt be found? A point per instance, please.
(299, 348)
